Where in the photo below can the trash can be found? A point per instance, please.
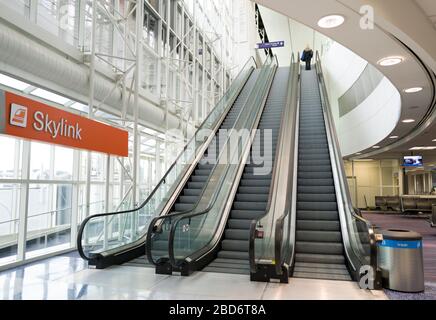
(400, 259)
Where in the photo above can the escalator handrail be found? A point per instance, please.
(175, 223)
(256, 222)
(161, 181)
(346, 197)
(290, 209)
(151, 227)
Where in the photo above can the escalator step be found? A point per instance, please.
(308, 197)
(202, 172)
(315, 182)
(239, 224)
(318, 225)
(256, 183)
(235, 245)
(196, 185)
(319, 236)
(254, 190)
(315, 175)
(319, 247)
(317, 215)
(233, 255)
(313, 157)
(251, 197)
(316, 189)
(188, 199)
(180, 207)
(246, 214)
(317, 206)
(257, 206)
(237, 234)
(320, 258)
(191, 192)
(199, 178)
(307, 168)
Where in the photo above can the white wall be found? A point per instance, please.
(277, 28)
(374, 118)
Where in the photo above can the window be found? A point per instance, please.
(49, 219)
(9, 222)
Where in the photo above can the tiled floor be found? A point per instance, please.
(68, 278)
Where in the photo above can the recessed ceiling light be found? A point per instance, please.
(390, 61)
(422, 148)
(393, 137)
(434, 140)
(376, 147)
(413, 90)
(358, 154)
(331, 21)
(408, 120)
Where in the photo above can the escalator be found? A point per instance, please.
(314, 232)
(319, 250)
(191, 191)
(189, 241)
(253, 192)
(119, 237)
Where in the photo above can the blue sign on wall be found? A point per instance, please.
(268, 45)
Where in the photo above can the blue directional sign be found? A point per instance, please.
(268, 45)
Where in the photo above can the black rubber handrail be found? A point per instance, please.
(255, 222)
(190, 216)
(161, 182)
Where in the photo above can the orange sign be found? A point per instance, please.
(29, 119)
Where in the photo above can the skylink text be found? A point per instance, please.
(56, 129)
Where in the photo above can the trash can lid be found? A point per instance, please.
(398, 234)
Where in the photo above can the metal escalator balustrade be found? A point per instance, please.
(112, 238)
(159, 228)
(262, 258)
(254, 188)
(358, 234)
(194, 237)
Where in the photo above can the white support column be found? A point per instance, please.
(80, 24)
(75, 199)
(33, 11)
(24, 202)
(158, 161)
(91, 100)
(136, 137)
(107, 184)
(167, 78)
(204, 93)
(160, 51)
(194, 106)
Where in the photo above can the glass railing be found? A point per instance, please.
(261, 248)
(188, 234)
(359, 238)
(105, 234)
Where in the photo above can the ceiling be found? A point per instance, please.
(373, 45)
(429, 8)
